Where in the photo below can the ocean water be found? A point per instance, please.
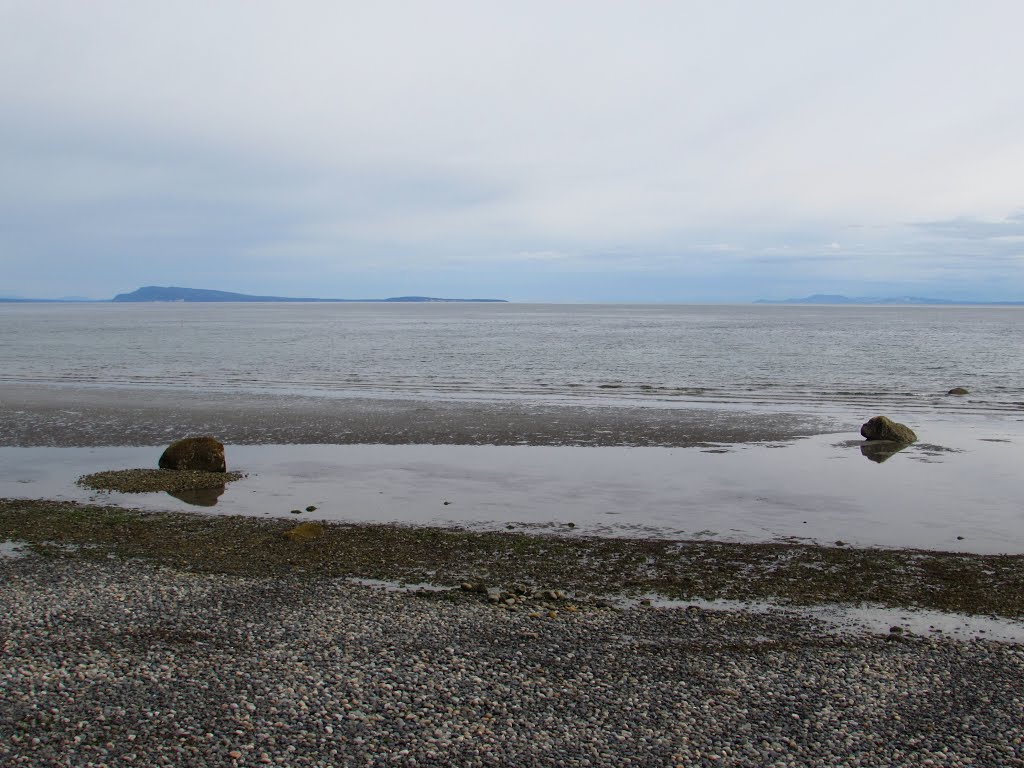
(854, 358)
(958, 489)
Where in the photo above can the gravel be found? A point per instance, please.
(800, 574)
(151, 480)
(121, 663)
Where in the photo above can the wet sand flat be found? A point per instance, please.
(83, 416)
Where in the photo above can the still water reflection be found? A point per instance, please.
(199, 497)
(958, 491)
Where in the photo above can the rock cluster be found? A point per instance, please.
(537, 602)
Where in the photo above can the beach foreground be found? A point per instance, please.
(111, 662)
(134, 638)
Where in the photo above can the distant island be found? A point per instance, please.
(829, 298)
(173, 293)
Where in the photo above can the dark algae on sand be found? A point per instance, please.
(798, 574)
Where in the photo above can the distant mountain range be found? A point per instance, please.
(829, 298)
(173, 293)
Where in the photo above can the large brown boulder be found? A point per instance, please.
(203, 453)
(883, 428)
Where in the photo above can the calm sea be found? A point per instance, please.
(897, 358)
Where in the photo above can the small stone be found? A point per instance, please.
(296, 511)
(305, 532)
(311, 508)
(958, 391)
(234, 754)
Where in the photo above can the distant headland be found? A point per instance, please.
(176, 294)
(173, 293)
(829, 298)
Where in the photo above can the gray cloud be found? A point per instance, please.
(975, 229)
(330, 146)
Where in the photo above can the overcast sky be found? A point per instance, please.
(575, 151)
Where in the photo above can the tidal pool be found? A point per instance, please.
(959, 489)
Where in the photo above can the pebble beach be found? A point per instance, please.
(122, 663)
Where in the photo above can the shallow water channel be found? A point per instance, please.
(958, 490)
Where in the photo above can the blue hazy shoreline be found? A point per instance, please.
(154, 294)
(826, 299)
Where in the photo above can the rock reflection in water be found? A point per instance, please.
(879, 451)
(199, 497)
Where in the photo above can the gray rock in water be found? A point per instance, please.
(958, 391)
(202, 453)
(883, 428)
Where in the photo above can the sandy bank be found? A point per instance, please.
(77, 416)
